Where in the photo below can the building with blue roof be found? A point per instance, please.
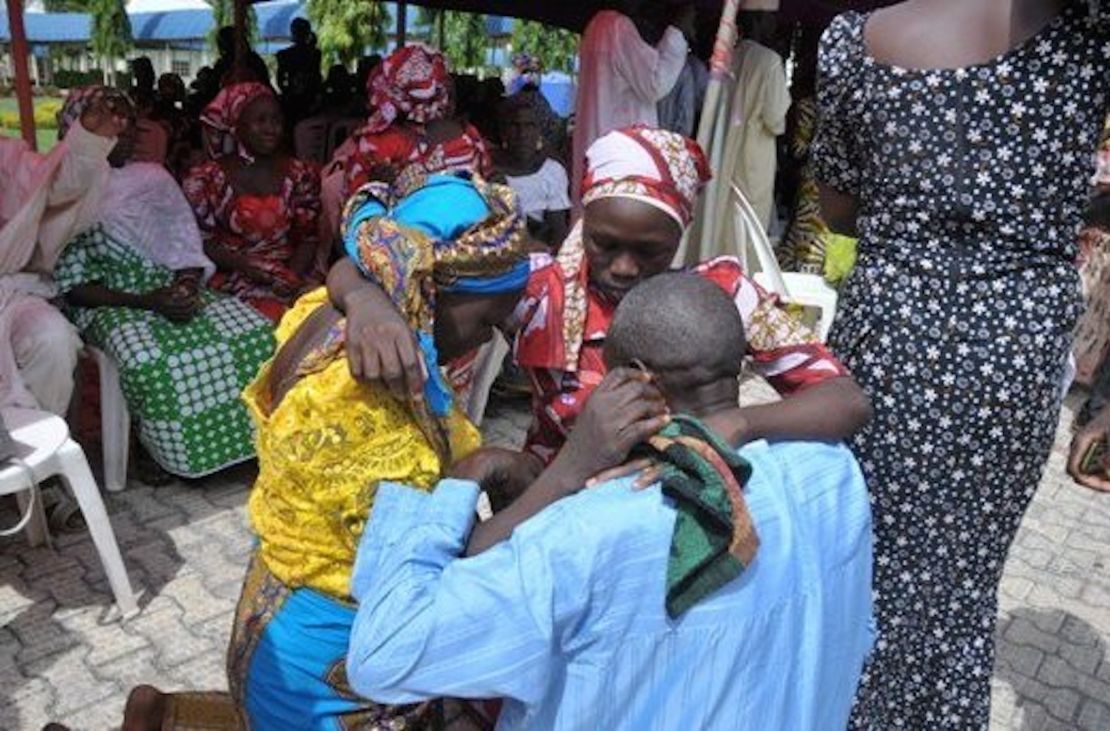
(177, 40)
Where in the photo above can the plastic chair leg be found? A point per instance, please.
(486, 370)
(37, 530)
(115, 425)
(74, 469)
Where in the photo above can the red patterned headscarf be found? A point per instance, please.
(222, 114)
(663, 169)
(412, 81)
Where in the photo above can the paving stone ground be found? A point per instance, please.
(63, 658)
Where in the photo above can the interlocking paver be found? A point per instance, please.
(187, 546)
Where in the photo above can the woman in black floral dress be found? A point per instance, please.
(968, 185)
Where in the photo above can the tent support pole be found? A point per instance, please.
(242, 45)
(20, 53)
(402, 22)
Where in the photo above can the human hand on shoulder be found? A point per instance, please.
(624, 410)
(381, 347)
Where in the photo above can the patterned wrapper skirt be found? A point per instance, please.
(182, 381)
(287, 666)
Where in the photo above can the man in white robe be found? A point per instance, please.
(44, 201)
(621, 77)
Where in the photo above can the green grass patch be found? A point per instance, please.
(45, 125)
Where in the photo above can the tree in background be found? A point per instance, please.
(346, 28)
(462, 37)
(465, 39)
(555, 47)
(223, 13)
(111, 34)
(66, 6)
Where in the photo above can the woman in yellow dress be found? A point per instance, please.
(450, 253)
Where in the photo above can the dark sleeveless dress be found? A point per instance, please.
(957, 321)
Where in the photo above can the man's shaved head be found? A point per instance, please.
(682, 327)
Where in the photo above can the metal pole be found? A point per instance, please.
(20, 52)
(402, 22)
(242, 45)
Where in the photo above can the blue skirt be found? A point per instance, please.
(287, 663)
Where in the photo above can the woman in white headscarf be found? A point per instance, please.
(44, 200)
(133, 284)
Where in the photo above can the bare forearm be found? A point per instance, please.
(226, 259)
(346, 282)
(303, 256)
(97, 295)
(830, 411)
(556, 481)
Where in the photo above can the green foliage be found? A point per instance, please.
(67, 79)
(223, 13)
(111, 29)
(46, 111)
(557, 48)
(465, 39)
(66, 6)
(346, 28)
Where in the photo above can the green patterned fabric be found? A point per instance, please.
(182, 381)
(713, 535)
(840, 258)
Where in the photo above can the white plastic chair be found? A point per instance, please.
(804, 290)
(46, 450)
(115, 422)
(486, 368)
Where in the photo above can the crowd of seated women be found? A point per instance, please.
(183, 287)
(211, 229)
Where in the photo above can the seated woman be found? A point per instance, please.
(257, 207)
(539, 181)
(411, 129)
(526, 84)
(451, 255)
(639, 196)
(133, 284)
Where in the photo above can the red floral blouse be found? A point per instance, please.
(782, 349)
(267, 229)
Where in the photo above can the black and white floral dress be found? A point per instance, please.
(957, 321)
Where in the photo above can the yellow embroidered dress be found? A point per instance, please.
(321, 454)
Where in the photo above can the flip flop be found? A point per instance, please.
(63, 515)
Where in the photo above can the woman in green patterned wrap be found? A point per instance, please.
(133, 285)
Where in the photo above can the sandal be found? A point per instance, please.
(63, 514)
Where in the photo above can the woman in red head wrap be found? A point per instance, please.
(410, 130)
(257, 207)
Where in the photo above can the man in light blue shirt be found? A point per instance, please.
(566, 618)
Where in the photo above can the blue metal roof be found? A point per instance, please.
(163, 26)
(169, 26)
(50, 27)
